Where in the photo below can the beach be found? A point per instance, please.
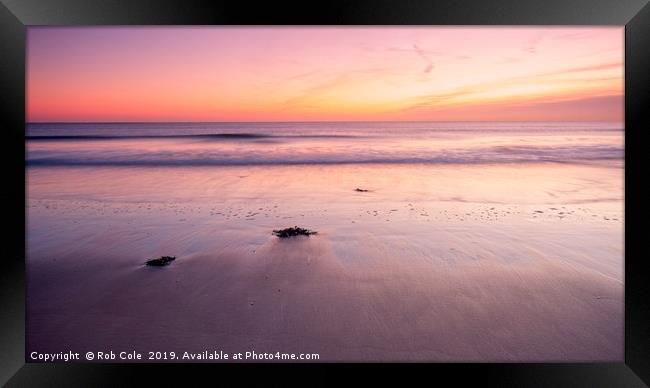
(482, 262)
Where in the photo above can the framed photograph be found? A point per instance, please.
(209, 187)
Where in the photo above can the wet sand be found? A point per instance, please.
(520, 262)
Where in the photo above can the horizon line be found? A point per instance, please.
(324, 121)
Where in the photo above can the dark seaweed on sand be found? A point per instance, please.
(163, 260)
(295, 231)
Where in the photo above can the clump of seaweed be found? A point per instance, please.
(163, 260)
(361, 190)
(291, 232)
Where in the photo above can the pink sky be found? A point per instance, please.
(324, 73)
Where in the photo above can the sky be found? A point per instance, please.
(95, 74)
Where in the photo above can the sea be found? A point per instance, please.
(287, 143)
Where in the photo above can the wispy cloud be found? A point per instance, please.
(605, 107)
(468, 93)
(423, 55)
(530, 46)
(329, 82)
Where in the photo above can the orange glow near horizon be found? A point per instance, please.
(324, 74)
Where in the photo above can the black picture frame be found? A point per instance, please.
(17, 15)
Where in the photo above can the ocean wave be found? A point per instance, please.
(520, 155)
(226, 136)
(80, 131)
